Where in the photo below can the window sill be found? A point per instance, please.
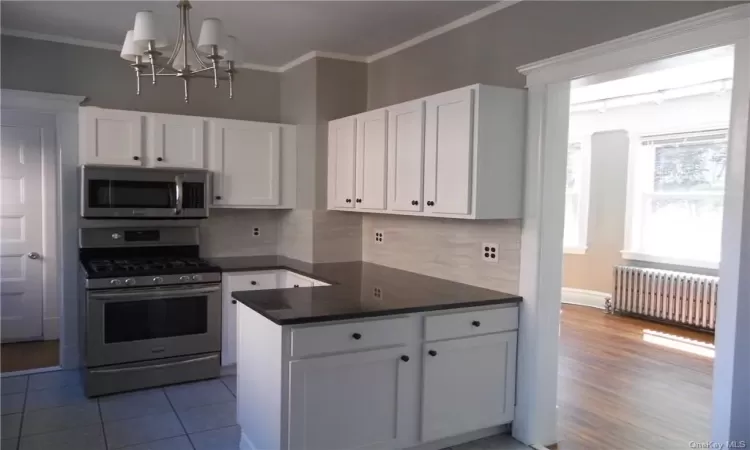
(636, 256)
(575, 250)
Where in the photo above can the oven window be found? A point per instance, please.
(157, 318)
(131, 194)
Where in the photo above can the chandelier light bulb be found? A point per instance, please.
(210, 35)
(131, 50)
(144, 29)
(230, 50)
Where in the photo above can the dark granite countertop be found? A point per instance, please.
(358, 289)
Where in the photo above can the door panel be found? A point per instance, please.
(448, 152)
(21, 294)
(112, 137)
(178, 141)
(405, 156)
(354, 400)
(341, 162)
(371, 160)
(246, 163)
(468, 384)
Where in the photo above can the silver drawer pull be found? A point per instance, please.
(155, 366)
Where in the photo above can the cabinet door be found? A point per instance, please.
(341, 162)
(354, 400)
(111, 137)
(238, 282)
(468, 384)
(405, 156)
(448, 152)
(371, 160)
(246, 163)
(177, 141)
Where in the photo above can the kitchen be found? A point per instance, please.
(369, 196)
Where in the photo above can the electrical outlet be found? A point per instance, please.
(489, 252)
(256, 231)
(378, 237)
(377, 293)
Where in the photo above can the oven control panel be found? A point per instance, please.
(146, 281)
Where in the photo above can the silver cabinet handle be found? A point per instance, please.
(33, 255)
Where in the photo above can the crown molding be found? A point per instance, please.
(60, 39)
(473, 17)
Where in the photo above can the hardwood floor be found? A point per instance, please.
(617, 391)
(29, 355)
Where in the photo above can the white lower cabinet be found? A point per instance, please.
(362, 384)
(349, 401)
(468, 384)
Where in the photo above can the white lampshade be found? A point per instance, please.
(144, 29)
(230, 50)
(130, 49)
(179, 60)
(210, 35)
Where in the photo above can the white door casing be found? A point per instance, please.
(246, 163)
(448, 164)
(406, 156)
(342, 161)
(177, 141)
(111, 137)
(372, 154)
(349, 401)
(25, 138)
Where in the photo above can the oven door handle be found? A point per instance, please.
(155, 366)
(171, 293)
(179, 194)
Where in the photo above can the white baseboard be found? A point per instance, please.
(51, 328)
(585, 297)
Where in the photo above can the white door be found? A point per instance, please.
(24, 138)
(111, 137)
(371, 159)
(468, 384)
(405, 156)
(448, 152)
(246, 163)
(341, 162)
(349, 401)
(177, 141)
(238, 282)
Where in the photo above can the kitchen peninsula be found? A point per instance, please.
(375, 358)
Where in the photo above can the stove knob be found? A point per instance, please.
(116, 236)
(196, 277)
(158, 280)
(129, 281)
(185, 278)
(115, 282)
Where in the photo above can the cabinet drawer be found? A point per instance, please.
(252, 280)
(349, 336)
(470, 323)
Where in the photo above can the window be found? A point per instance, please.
(676, 200)
(577, 197)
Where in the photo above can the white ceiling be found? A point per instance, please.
(272, 33)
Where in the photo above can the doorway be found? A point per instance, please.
(29, 300)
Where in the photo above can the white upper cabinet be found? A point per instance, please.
(371, 160)
(448, 152)
(111, 137)
(177, 141)
(405, 156)
(341, 163)
(246, 161)
(456, 154)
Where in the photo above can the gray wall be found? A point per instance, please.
(490, 49)
(108, 82)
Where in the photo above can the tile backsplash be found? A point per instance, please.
(229, 232)
(446, 248)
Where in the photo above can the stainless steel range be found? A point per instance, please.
(151, 309)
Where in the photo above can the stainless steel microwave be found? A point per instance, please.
(109, 192)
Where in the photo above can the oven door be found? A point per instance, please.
(122, 192)
(128, 325)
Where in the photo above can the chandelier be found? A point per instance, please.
(187, 60)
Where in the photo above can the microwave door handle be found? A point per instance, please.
(178, 195)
